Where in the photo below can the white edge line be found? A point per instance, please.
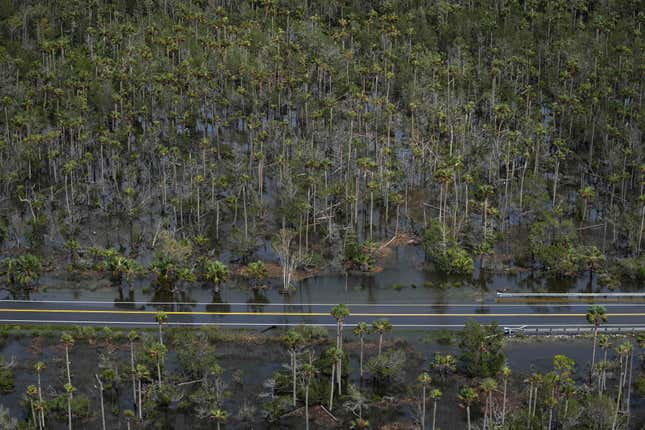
(107, 302)
(68, 322)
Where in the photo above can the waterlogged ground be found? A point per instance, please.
(248, 364)
(405, 278)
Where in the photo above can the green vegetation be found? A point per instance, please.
(481, 349)
(186, 375)
(470, 123)
(7, 377)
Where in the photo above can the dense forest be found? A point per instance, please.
(508, 128)
(193, 141)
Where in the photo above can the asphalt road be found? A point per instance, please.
(261, 315)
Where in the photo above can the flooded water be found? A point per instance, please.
(247, 367)
(406, 278)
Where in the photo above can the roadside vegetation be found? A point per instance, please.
(362, 378)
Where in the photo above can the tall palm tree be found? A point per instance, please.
(40, 366)
(334, 354)
(68, 341)
(467, 396)
(506, 372)
(550, 402)
(623, 352)
(158, 352)
(361, 330)
(339, 312)
(381, 327)
(32, 393)
(100, 389)
(308, 373)
(587, 194)
(596, 315)
(142, 373)
(435, 395)
(69, 389)
(534, 384)
(293, 340)
(488, 385)
(161, 318)
(132, 337)
(425, 380)
(605, 344)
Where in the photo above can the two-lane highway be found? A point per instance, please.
(260, 315)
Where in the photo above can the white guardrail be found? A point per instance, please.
(505, 295)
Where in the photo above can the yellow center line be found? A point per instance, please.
(308, 314)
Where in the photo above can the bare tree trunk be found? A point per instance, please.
(69, 411)
(434, 415)
(504, 402)
(423, 408)
(307, 407)
(331, 389)
(101, 401)
(132, 369)
(620, 391)
(593, 353)
(41, 423)
(361, 357)
(293, 376)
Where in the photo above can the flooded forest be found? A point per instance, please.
(282, 157)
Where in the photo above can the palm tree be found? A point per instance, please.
(69, 389)
(444, 364)
(308, 373)
(68, 341)
(595, 316)
(587, 194)
(32, 393)
(129, 416)
(293, 340)
(488, 385)
(142, 373)
(339, 312)
(158, 352)
(435, 395)
(506, 372)
(425, 380)
(100, 388)
(361, 330)
(40, 366)
(257, 272)
(467, 396)
(381, 327)
(161, 318)
(623, 352)
(334, 354)
(23, 271)
(216, 273)
(550, 402)
(534, 384)
(132, 337)
(219, 416)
